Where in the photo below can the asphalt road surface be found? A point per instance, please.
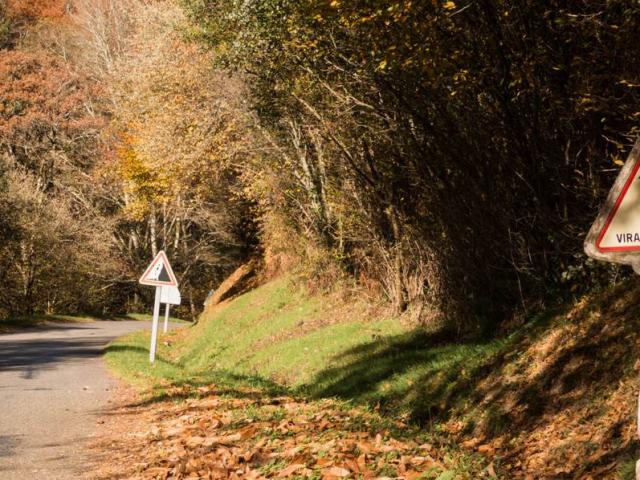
(53, 386)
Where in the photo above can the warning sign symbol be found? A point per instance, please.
(615, 235)
(159, 273)
(621, 232)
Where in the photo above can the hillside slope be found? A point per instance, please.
(556, 400)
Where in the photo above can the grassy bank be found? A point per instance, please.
(275, 333)
(554, 400)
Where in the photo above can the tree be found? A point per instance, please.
(178, 146)
(465, 143)
(54, 257)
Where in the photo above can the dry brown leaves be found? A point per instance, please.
(251, 436)
(567, 405)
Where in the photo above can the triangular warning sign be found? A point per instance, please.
(159, 273)
(615, 235)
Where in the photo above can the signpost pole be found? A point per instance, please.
(166, 318)
(154, 326)
(638, 434)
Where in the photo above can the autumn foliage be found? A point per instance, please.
(49, 137)
(40, 93)
(451, 153)
(36, 9)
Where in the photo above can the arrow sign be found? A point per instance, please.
(159, 273)
(615, 234)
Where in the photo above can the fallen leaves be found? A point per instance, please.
(253, 436)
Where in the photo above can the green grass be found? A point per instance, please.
(627, 470)
(281, 339)
(277, 335)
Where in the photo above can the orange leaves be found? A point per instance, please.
(39, 92)
(36, 9)
(294, 468)
(216, 437)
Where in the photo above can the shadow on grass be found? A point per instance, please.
(430, 375)
(562, 371)
(217, 383)
(181, 384)
(425, 373)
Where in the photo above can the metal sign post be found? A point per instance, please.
(166, 318)
(154, 326)
(160, 275)
(615, 234)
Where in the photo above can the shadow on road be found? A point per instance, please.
(41, 349)
(8, 444)
(33, 355)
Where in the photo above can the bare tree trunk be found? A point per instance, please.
(153, 233)
(178, 224)
(133, 240)
(312, 178)
(399, 302)
(192, 305)
(164, 226)
(27, 272)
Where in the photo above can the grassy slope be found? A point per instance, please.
(274, 332)
(554, 400)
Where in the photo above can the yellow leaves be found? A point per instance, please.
(145, 184)
(335, 4)
(449, 5)
(460, 75)
(382, 65)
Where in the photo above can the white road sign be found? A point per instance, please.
(160, 275)
(170, 296)
(159, 272)
(615, 235)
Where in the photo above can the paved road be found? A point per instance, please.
(53, 385)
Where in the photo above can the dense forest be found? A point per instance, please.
(446, 158)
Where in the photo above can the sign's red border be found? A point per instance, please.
(612, 214)
(158, 283)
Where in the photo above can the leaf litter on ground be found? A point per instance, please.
(251, 435)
